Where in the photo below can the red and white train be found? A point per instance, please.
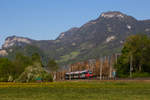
(85, 74)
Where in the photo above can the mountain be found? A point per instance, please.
(100, 37)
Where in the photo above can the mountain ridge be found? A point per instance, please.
(102, 36)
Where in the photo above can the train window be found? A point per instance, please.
(85, 72)
(75, 74)
(90, 72)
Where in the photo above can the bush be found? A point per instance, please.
(141, 75)
(47, 77)
(34, 73)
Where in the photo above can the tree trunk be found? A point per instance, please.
(140, 68)
(54, 76)
(101, 68)
(131, 66)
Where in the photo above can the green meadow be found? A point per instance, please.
(76, 90)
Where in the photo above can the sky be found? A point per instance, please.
(46, 19)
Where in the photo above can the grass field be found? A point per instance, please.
(76, 90)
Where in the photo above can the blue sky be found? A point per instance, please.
(46, 19)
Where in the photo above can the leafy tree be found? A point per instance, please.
(52, 66)
(21, 62)
(36, 58)
(11, 70)
(137, 47)
(6, 69)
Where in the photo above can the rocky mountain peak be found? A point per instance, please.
(112, 14)
(12, 40)
(67, 33)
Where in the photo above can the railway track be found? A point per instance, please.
(107, 79)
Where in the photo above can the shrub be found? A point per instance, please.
(47, 77)
(34, 73)
(144, 74)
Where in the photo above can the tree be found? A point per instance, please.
(11, 70)
(6, 69)
(52, 66)
(20, 63)
(36, 58)
(137, 47)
